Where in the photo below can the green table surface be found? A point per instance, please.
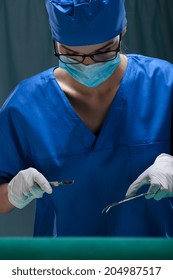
(86, 249)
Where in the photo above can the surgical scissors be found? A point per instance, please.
(108, 207)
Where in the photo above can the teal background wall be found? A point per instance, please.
(26, 49)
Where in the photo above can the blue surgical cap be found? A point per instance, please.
(85, 22)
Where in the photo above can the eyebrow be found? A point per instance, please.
(109, 44)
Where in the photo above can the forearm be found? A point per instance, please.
(5, 205)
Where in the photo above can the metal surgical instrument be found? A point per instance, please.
(62, 183)
(108, 207)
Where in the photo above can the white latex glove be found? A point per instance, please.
(159, 176)
(27, 185)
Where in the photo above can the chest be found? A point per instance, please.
(93, 110)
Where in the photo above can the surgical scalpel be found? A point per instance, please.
(62, 183)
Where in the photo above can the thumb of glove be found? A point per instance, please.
(142, 180)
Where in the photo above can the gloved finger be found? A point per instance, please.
(42, 182)
(142, 180)
(161, 194)
(153, 189)
(37, 192)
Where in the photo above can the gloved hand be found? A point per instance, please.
(159, 176)
(27, 185)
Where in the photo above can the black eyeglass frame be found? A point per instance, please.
(83, 56)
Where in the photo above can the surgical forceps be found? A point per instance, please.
(108, 207)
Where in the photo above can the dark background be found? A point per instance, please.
(26, 49)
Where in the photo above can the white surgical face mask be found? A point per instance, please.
(90, 75)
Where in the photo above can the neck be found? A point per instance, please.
(91, 104)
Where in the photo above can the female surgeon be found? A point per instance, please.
(102, 119)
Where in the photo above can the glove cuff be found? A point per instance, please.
(18, 202)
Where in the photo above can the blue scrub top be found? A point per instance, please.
(39, 128)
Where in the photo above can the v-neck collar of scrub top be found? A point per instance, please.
(112, 127)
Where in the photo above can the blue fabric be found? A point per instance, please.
(39, 128)
(85, 22)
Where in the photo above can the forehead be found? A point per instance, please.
(89, 48)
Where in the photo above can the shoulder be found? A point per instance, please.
(35, 83)
(146, 62)
(29, 103)
(30, 89)
(153, 68)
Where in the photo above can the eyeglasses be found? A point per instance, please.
(96, 57)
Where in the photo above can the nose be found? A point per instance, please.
(88, 61)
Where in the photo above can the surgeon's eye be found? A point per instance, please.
(72, 56)
(105, 56)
